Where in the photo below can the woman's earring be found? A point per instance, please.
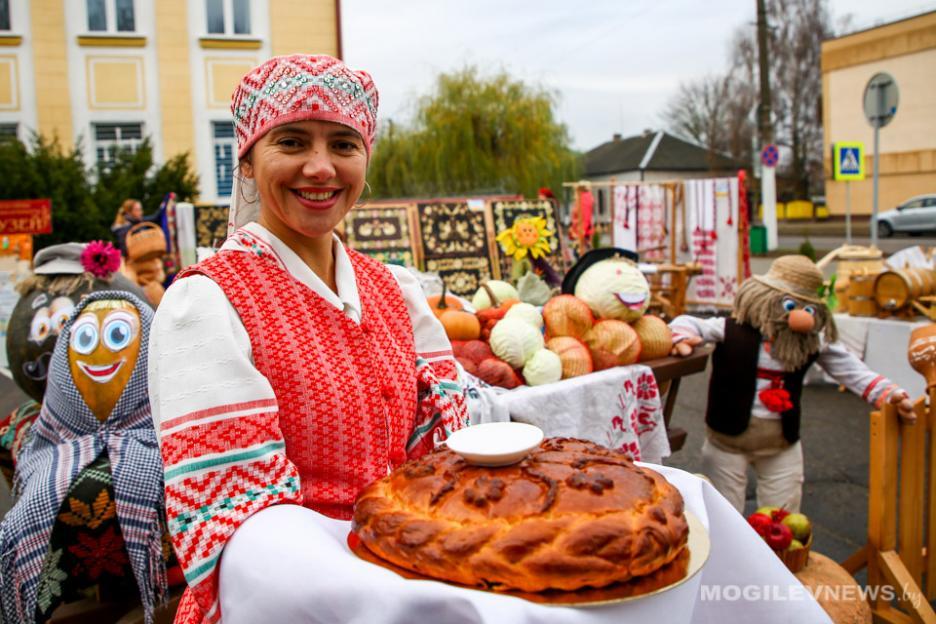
(368, 188)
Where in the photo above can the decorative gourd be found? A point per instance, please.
(515, 342)
(612, 343)
(526, 313)
(656, 338)
(502, 291)
(574, 355)
(614, 289)
(460, 325)
(543, 368)
(498, 373)
(567, 315)
(476, 350)
(440, 304)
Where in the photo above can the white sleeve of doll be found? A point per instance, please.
(199, 353)
(843, 366)
(710, 329)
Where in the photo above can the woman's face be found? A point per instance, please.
(308, 175)
(136, 211)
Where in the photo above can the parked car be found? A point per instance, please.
(916, 215)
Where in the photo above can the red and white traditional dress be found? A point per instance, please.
(267, 387)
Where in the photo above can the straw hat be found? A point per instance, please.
(797, 276)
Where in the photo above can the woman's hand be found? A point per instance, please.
(686, 346)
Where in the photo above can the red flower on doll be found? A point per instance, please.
(776, 399)
(100, 259)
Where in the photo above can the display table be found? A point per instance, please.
(317, 578)
(882, 345)
(835, 589)
(621, 407)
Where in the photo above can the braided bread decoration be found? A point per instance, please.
(571, 514)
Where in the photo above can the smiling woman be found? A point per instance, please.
(288, 369)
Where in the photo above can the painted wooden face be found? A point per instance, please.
(102, 352)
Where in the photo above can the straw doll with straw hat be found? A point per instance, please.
(779, 326)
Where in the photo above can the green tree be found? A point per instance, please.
(475, 134)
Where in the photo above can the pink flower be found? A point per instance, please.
(100, 259)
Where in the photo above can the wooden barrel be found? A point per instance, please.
(861, 300)
(841, 294)
(928, 279)
(895, 289)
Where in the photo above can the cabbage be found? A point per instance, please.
(543, 368)
(532, 289)
(526, 313)
(614, 289)
(515, 341)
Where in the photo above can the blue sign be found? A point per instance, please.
(770, 155)
(848, 159)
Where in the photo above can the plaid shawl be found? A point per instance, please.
(65, 438)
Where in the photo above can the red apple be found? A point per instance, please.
(779, 536)
(760, 523)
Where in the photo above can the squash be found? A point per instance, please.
(440, 304)
(460, 325)
(567, 315)
(612, 343)
(656, 337)
(491, 292)
(574, 355)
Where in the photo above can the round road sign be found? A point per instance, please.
(880, 99)
(770, 155)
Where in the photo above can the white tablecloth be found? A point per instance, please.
(882, 344)
(619, 408)
(290, 564)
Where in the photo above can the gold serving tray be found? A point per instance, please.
(680, 570)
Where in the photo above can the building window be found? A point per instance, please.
(9, 132)
(227, 17)
(5, 15)
(111, 15)
(225, 147)
(109, 138)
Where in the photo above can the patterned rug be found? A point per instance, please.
(506, 212)
(210, 225)
(456, 243)
(382, 232)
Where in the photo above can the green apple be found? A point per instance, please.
(800, 526)
(767, 511)
(795, 545)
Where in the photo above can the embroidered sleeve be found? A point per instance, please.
(711, 330)
(854, 374)
(223, 451)
(441, 405)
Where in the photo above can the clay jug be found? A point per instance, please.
(922, 353)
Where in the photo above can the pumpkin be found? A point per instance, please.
(468, 365)
(515, 342)
(526, 313)
(567, 315)
(476, 350)
(614, 289)
(574, 355)
(543, 368)
(498, 373)
(612, 343)
(491, 292)
(440, 304)
(656, 338)
(460, 325)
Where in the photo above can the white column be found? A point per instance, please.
(769, 199)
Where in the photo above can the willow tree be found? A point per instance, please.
(475, 134)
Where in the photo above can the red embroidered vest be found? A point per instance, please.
(346, 392)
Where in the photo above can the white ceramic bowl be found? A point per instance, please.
(495, 444)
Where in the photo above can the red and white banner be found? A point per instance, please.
(25, 216)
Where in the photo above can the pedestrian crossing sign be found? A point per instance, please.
(848, 159)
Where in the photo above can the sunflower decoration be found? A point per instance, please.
(526, 236)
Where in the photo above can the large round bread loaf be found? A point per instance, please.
(571, 514)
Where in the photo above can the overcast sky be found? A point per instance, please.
(612, 63)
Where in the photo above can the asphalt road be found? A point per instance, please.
(827, 243)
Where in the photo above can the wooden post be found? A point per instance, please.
(930, 422)
(882, 493)
(910, 513)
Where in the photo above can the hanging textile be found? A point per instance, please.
(382, 232)
(455, 243)
(651, 222)
(211, 224)
(624, 233)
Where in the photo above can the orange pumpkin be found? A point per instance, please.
(440, 304)
(460, 325)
